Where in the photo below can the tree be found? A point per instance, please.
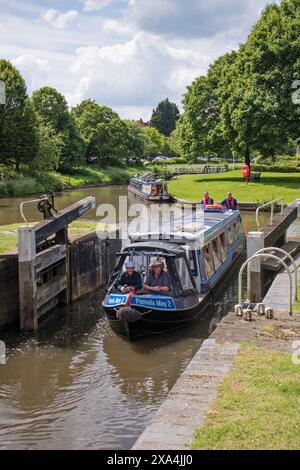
(164, 117)
(52, 112)
(136, 139)
(18, 127)
(257, 112)
(105, 135)
(156, 143)
(202, 112)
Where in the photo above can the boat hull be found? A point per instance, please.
(147, 197)
(156, 322)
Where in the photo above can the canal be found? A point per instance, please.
(76, 384)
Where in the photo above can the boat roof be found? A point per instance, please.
(157, 247)
(147, 178)
(193, 226)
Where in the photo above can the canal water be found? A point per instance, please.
(76, 384)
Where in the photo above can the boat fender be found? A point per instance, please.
(128, 314)
(214, 206)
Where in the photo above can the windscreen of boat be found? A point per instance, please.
(181, 280)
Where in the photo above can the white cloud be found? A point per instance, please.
(136, 74)
(192, 18)
(143, 52)
(91, 5)
(116, 27)
(58, 20)
(34, 71)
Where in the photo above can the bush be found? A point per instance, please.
(276, 167)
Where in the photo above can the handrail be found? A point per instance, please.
(271, 203)
(280, 250)
(266, 255)
(29, 202)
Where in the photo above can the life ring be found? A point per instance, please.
(213, 206)
(154, 191)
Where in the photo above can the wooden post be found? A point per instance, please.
(27, 281)
(255, 242)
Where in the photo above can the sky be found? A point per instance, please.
(126, 54)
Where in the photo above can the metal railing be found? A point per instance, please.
(29, 202)
(267, 255)
(272, 204)
(280, 250)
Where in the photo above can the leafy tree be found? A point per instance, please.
(156, 143)
(257, 112)
(164, 117)
(52, 112)
(136, 139)
(202, 117)
(18, 127)
(105, 135)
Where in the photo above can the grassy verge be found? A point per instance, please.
(24, 186)
(272, 186)
(257, 405)
(8, 233)
(296, 306)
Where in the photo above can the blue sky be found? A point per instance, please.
(127, 54)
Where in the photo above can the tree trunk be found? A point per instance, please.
(247, 158)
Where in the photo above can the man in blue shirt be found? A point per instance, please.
(158, 280)
(230, 203)
(130, 279)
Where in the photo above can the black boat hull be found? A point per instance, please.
(156, 322)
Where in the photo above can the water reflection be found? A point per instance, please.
(76, 384)
(79, 385)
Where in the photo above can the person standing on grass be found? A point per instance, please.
(207, 200)
(230, 202)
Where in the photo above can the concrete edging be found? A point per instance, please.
(184, 410)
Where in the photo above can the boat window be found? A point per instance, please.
(230, 235)
(236, 231)
(184, 274)
(223, 244)
(208, 262)
(217, 253)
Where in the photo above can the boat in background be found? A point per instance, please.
(196, 258)
(149, 188)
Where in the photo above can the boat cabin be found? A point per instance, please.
(194, 259)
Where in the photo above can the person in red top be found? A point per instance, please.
(207, 200)
(246, 173)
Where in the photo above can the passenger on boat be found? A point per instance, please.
(207, 200)
(157, 280)
(230, 202)
(130, 279)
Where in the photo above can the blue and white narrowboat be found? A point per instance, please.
(196, 261)
(149, 188)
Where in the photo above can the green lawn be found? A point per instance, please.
(8, 233)
(257, 405)
(296, 306)
(272, 186)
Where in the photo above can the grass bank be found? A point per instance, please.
(8, 233)
(80, 176)
(272, 185)
(296, 306)
(257, 405)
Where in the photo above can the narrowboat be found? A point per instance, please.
(149, 188)
(196, 260)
